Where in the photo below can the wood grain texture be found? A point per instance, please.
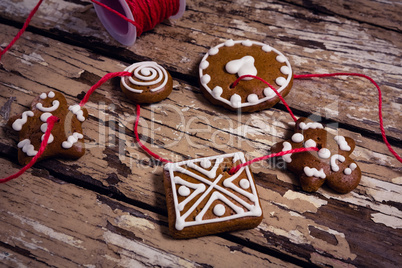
(108, 208)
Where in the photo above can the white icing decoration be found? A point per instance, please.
(297, 137)
(286, 147)
(342, 143)
(45, 116)
(334, 165)
(55, 105)
(184, 191)
(280, 58)
(310, 125)
(310, 143)
(267, 48)
(205, 79)
(76, 109)
(243, 66)
(349, 170)
(51, 94)
(71, 140)
(219, 210)
(229, 43)
(146, 73)
(17, 125)
(43, 128)
(280, 81)
(313, 172)
(209, 190)
(268, 93)
(27, 147)
(206, 163)
(43, 96)
(213, 51)
(285, 70)
(247, 43)
(244, 183)
(252, 98)
(204, 64)
(235, 100)
(324, 153)
(217, 91)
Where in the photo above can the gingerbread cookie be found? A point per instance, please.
(66, 139)
(331, 164)
(223, 64)
(149, 83)
(203, 198)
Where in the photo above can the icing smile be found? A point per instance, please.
(55, 105)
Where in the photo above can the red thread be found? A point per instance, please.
(384, 137)
(100, 82)
(137, 138)
(50, 123)
(233, 170)
(2, 52)
(268, 84)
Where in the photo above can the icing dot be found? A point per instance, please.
(235, 100)
(324, 153)
(43, 96)
(45, 116)
(204, 64)
(244, 183)
(184, 191)
(353, 166)
(206, 163)
(51, 94)
(280, 58)
(247, 43)
(310, 143)
(205, 79)
(253, 98)
(297, 137)
(347, 171)
(280, 81)
(229, 43)
(213, 51)
(219, 210)
(268, 92)
(285, 69)
(217, 91)
(266, 48)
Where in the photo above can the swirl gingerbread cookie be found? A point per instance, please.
(149, 83)
(226, 62)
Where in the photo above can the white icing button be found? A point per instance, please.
(244, 183)
(50, 140)
(324, 153)
(297, 137)
(45, 116)
(252, 98)
(280, 59)
(310, 143)
(280, 81)
(204, 64)
(184, 191)
(51, 94)
(247, 43)
(229, 43)
(43, 96)
(205, 79)
(266, 48)
(213, 51)
(285, 70)
(235, 100)
(217, 91)
(219, 210)
(269, 93)
(206, 163)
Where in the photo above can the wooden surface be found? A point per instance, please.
(108, 208)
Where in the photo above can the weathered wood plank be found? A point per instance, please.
(314, 41)
(298, 225)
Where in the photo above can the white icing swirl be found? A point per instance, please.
(324, 153)
(146, 73)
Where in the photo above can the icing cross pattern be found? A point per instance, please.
(208, 186)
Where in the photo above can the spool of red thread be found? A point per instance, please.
(124, 31)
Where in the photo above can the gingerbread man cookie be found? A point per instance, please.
(332, 164)
(226, 62)
(203, 198)
(66, 139)
(149, 83)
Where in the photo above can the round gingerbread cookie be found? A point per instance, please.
(149, 83)
(226, 62)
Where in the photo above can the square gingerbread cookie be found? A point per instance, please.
(203, 198)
